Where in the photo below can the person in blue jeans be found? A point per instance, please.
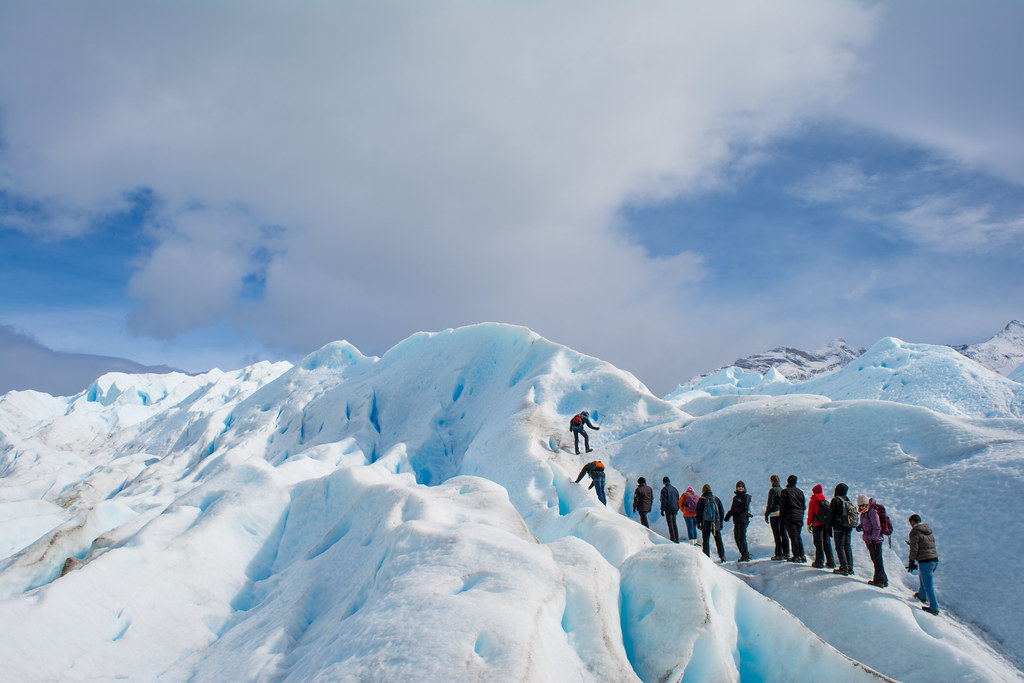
(596, 471)
(925, 559)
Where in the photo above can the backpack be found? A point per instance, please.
(576, 421)
(821, 516)
(598, 466)
(710, 511)
(850, 516)
(883, 520)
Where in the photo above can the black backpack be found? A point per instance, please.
(821, 516)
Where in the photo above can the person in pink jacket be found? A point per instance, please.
(872, 530)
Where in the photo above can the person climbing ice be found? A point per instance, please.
(596, 471)
(576, 426)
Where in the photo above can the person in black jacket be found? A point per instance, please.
(643, 500)
(841, 533)
(771, 516)
(669, 508)
(709, 516)
(596, 471)
(740, 513)
(791, 509)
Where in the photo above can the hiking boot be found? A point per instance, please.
(722, 559)
(918, 596)
(817, 565)
(929, 610)
(786, 556)
(830, 565)
(776, 557)
(745, 558)
(840, 570)
(589, 450)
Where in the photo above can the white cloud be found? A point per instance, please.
(945, 224)
(429, 164)
(837, 182)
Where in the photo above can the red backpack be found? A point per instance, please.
(883, 521)
(576, 421)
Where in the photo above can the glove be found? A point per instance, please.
(912, 566)
(766, 519)
(662, 513)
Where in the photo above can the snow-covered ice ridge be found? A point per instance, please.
(1003, 353)
(413, 517)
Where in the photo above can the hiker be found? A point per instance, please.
(710, 514)
(688, 504)
(872, 529)
(821, 533)
(576, 426)
(669, 508)
(925, 559)
(643, 499)
(791, 512)
(843, 518)
(740, 513)
(771, 516)
(596, 471)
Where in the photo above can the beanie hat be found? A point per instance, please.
(664, 480)
(862, 500)
(740, 485)
(706, 488)
(689, 489)
(817, 489)
(791, 480)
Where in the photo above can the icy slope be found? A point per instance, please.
(414, 516)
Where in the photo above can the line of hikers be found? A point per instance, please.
(828, 521)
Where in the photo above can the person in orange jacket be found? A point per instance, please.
(688, 504)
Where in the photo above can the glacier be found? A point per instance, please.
(413, 516)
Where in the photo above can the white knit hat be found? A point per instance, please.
(862, 500)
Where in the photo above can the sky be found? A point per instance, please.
(667, 186)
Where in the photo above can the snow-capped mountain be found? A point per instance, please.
(414, 516)
(793, 363)
(1003, 353)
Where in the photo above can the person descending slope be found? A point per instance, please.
(576, 426)
(596, 471)
(669, 508)
(709, 516)
(643, 500)
(740, 514)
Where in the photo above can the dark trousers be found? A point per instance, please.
(643, 518)
(796, 544)
(822, 546)
(739, 532)
(875, 550)
(781, 539)
(673, 530)
(576, 439)
(844, 553)
(707, 531)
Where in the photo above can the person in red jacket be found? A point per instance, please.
(817, 523)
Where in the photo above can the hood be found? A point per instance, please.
(817, 489)
(923, 528)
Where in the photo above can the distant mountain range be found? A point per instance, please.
(27, 364)
(1003, 354)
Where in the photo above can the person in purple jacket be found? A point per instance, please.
(872, 530)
